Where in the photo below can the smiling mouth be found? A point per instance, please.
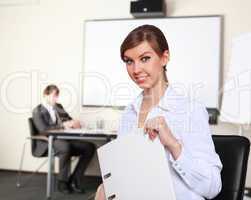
(140, 79)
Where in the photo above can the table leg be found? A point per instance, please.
(50, 166)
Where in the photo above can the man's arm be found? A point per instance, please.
(64, 116)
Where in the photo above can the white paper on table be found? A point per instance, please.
(136, 168)
(90, 131)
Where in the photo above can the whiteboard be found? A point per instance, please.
(194, 66)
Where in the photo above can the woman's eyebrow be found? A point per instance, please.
(146, 52)
(141, 55)
(127, 58)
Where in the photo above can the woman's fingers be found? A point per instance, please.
(150, 129)
(153, 127)
(152, 134)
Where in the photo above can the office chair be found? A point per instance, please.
(233, 152)
(33, 138)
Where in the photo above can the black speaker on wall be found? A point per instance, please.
(148, 8)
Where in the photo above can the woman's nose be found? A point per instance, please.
(137, 68)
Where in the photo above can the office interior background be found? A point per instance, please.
(41, 42)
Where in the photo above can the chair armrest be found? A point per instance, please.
(40, 137)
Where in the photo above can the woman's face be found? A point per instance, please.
(144, 65)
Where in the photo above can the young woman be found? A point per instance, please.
(180, 123)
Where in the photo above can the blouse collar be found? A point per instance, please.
(164, 103)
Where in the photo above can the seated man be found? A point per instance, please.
(51, 115)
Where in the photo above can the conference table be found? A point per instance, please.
(71, 134)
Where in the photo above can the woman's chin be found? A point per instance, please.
(144, 86)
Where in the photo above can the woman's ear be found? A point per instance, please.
(165, 58)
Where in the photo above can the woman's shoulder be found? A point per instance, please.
(175, 100)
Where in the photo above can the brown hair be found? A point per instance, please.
(50, 88)
(153, 35)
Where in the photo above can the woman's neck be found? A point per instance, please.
(154, 94)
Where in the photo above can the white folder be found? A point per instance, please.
(133, 167)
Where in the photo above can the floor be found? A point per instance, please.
(35, 188)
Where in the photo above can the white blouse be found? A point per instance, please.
(196, 172)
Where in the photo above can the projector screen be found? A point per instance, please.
(193, 69)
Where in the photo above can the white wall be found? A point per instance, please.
(41, 42)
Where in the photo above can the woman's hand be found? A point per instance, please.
(157, 127)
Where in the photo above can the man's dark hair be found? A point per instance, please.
(50, 88)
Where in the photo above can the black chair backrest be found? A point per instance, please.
(33, 132)
(233, 152)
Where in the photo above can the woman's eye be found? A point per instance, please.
(145, 58)
(128, 62)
